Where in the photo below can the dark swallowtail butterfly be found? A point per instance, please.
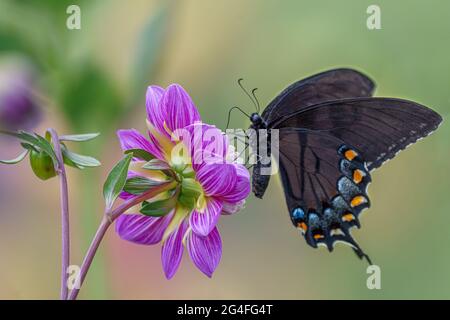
(332, 134)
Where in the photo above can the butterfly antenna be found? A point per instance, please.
(258, 107)
(229, 114)
(246, 92)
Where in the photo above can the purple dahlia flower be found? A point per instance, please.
(209, 183)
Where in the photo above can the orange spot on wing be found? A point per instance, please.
(318, 236)
(358, 200)
(302, 226)
(350, 154)
(358, 175)
(348, 217)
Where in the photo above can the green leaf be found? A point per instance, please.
(158, 208)
(187, 201)
(28, 146)
(79, 137)
(116, 181)
(79, 160)
(191, 188)
(19, 158)
(139, 185)
(141, 154)
(35, 140)
(156, 164)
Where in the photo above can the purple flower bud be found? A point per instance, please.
(18, 108)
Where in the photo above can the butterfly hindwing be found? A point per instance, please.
(324, 182)
(329, 85)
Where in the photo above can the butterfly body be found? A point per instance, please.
(332, 133)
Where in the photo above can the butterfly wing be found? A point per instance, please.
(325, 182)
(378, 127)
(325, 86)
(329, 85)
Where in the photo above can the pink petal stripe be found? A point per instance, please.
(172, 250)
(132, 139)
(242, 187)
(217, 179)
(179, 109)
(205, 252)
(141, 229)
(203, 222)
(207, 144)
(155, 113)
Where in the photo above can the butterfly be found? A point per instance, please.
(331, 135)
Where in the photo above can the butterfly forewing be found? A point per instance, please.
(325, 86)
(378, 127)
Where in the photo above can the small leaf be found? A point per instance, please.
(19, 158)
(158, 208)
(116, 181)
(191, 188)
(139, 185)
(28, 146)
(141, 154)
(79, 137)
(35, 140)
(187, 201)
(79, 160)
(156, 164)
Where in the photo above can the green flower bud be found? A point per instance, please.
(191, 190)
(42, 165)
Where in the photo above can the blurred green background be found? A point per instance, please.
(94, 79)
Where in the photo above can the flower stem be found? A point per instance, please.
(64, 199)
(107, 220)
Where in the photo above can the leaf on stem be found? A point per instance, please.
(79, 137)
(79, 161)
(19, 158)
(35, 140)
(116, 181)
(156, 164)
(141, 154)
(139, 185)
(159, 208)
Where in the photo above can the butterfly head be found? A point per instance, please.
(257, 121)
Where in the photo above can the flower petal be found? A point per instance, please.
(141, 229)
(203, 222)
(155, 113)
(232, 208)
(205, 252)
(172, 250)
(241, 189)
(180, 110)
(217, 179)
(207, 144)
(132, 139)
